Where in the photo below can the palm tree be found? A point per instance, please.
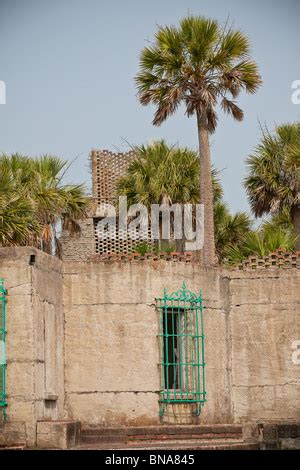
(17, 222)
(261, 243)
(273, 180)
(230, 229)
(279, 221)
(162, 174)
(198, 64)
(35, 196)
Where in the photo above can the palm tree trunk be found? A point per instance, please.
(206, 193)
(295, 215)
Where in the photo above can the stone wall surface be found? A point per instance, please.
(79, 247)
(265, 321)
(82, 342)
(34, 342)
(251, 320)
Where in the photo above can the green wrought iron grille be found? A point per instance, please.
(3, 403)
(182, 362)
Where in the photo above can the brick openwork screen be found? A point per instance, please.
(107, 168)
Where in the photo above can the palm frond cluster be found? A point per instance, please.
(198, 64)
(33, 201)
(164, 174)
(273, 179)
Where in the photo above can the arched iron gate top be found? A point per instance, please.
(183, 294)
(182, 361)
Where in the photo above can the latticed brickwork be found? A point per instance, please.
(276, 260)
(107, 167)
(123, 243)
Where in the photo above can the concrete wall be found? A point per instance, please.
(34, 342)
(265, 321)
(82, 341)
(111, 353)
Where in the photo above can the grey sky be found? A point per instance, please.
(69, 67)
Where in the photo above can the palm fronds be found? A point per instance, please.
(196, 64)
(33, 200)
(164, 173)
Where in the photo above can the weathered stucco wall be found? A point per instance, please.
(265, 321)
(111, 350)
(34, 342)
(82, 341)
(111, 343)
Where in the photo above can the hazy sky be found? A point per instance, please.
(69, 66)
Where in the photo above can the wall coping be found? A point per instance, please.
(279, 259)
(276, 260)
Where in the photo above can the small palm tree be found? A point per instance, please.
(281, 220)
(198, 64)
(261, 243)
(273, 180)
(230, 229)
(32, 189)
(162, 174)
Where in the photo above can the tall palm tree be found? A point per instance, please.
(273, 180)
(33, 189)
(198, 64)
